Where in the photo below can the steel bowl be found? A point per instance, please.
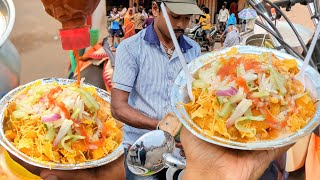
(7, 17)
(9, 58)
(51, 165)
(179, 94)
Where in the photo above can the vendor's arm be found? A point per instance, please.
(125, 74)
(122, 111)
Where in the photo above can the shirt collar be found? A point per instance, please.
(152, 38)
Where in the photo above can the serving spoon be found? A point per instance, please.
(188, 75)
(301, 75)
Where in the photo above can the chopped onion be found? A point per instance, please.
(66, 125)
(82, 82)
(50, 117)
(242, 107)
(250, 76)
(228, 92)
(85, 113)
(58, 123)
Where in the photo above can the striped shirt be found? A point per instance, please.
(143, 69)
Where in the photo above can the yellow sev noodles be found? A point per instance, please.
(29, 134)
(275, 109)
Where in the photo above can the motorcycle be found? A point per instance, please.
(198, 34)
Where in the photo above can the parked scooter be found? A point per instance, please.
(196, 33)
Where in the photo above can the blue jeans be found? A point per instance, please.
(130, 176)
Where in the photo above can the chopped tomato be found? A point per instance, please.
(61, 105)
(52, 93)
(273, 123)
(242, 83)
(229, 69)
(84, 133)
(255, 101)
(104, 132)
(251, 64)
(255, 65)
(63, 108)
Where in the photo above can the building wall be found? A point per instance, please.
(146, 3)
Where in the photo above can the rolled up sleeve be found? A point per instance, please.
(126, 69)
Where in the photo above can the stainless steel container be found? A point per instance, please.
(179, 94)
(258, 40)
(9, 59)
(115, 154)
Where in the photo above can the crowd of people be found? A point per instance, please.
(126, 22)
(234, 9)
(138, 152)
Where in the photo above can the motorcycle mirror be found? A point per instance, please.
(151, 153)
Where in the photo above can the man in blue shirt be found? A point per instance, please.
(115, 26)
(146, 67)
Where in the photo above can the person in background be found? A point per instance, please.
(138, 20)
(129, 28)
(243, 21)
(206, 24)
(232, 38)
(122, 11)
(135, 8)
(115, 26)
(142, 154)
(149, 20)
(144, 13)
(231, 21)
(132, 153)
(223, 17)
(202, 7)
(234, 8)
(225, 3)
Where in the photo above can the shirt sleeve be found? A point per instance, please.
(126, 69)
(227, 41)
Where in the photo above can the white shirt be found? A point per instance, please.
(223, 15)
(144, 14)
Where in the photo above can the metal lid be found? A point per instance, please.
(7, 16)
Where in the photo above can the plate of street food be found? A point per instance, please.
(60, 124)
(247, 98)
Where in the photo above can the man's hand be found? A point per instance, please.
(123, 112)
(208, 161)
(114, 170)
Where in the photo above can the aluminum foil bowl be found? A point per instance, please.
(179, 94)
(51, 165)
